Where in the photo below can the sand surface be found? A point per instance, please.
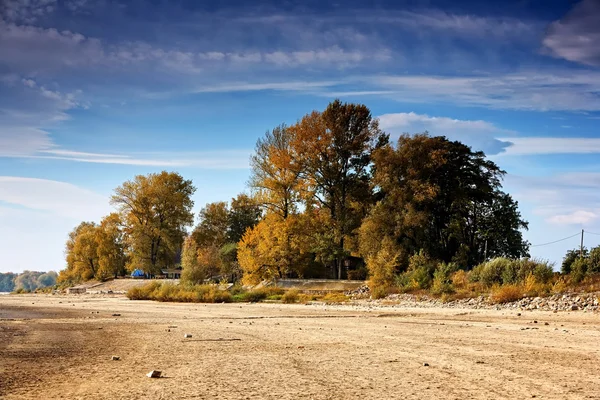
(60, 347)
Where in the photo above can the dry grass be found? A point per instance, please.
(506, 293)
(332, 297)
(179, 293)
(291, 296)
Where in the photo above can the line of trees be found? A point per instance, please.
(327, 194)
(26, 281)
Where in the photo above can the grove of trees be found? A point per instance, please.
(27, 281)
(327, 194)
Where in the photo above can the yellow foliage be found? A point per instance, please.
(506, 293)
(460, 279)
(274, 247)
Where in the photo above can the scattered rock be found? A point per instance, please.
(116, 315)
(154, 374)
(426, 364)
(115, 358)
(187, 335)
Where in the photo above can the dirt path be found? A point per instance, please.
(271, 351)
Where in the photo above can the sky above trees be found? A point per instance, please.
(94, 92)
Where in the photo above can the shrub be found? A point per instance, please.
(179, 293)
(579, 269)
(493, 270)
(506, 293)
(291, 296)
(419, 274)
(335, 298)
(533, 287)
(254, 296)
(560, 286)
(442, 282)
(460, 279)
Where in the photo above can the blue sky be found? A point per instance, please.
(93, 92)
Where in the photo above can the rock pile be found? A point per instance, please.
(587, 302)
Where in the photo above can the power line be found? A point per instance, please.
(592, 233)
(556, 241)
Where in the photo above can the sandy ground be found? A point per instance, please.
(61, 347)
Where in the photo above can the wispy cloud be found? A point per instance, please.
(218, 159)
(27, 11)
(563, 90)
(576, 36)
(579, 217)
(552, 145)
(59, 198)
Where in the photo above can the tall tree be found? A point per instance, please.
(155, 210)
(275, 247)
(82, 252)
(440, 196)
(244, 213)
(111, 247)
(275, 177)
(334, 151)
(213, 225)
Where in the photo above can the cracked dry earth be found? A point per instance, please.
(61, 347)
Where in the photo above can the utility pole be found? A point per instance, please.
(581, 246)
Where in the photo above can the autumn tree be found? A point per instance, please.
(276, 175)
(443, 198)
(275, 247)
(82, 253)
(193, 272)
(333, 149)
(111, 247)
(214, 240)
(155, 210)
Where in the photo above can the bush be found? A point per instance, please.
(579, 269)
(291, 296)
(419, 274)
(493, 271)
(442, 282)
(506, 293)
(179, 293)
(335, 298)
(460, 279)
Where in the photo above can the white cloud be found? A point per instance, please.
(481, 135)
(26, 114)
(579, 217)
(576, 36)
(218, 159)
(550, 145)
(58, 198)
(290, 86)
(26, 10)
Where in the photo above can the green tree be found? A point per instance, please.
(244, 213)
(155, 210)
(570, 258)
(7, 281)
